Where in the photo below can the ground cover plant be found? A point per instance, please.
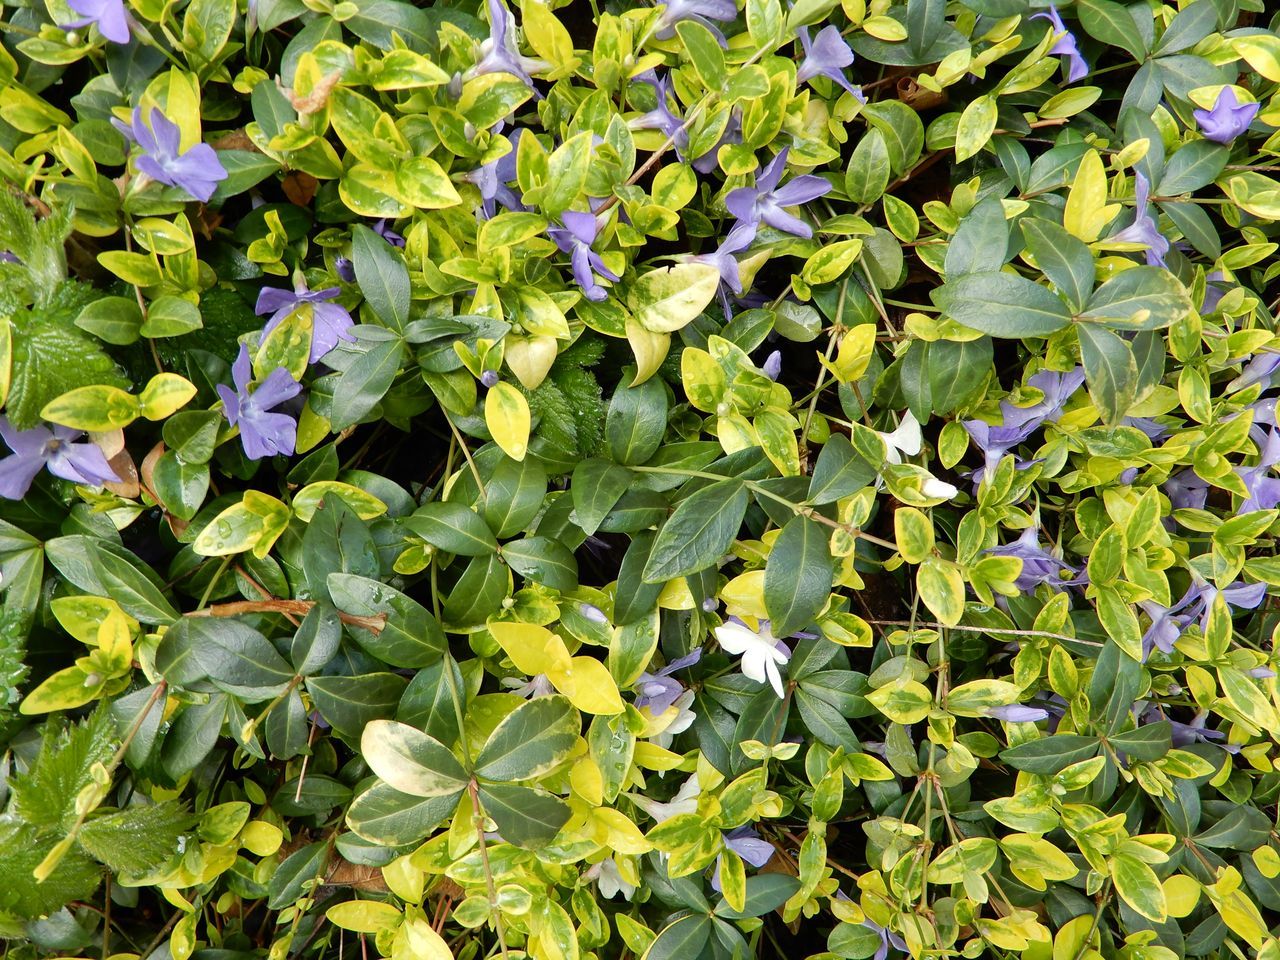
(594, 480)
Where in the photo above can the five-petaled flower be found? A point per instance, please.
(330, 321)
(52, 447)
(766, 201)
(110, 16)
(1227, 119)
(826, 56)
(1144, 229)
(762, 653)
(1065, 46)
(499, 53)
(263, 433)
(198, 171)
(701, 11)
(575, 238)
(1038, 564)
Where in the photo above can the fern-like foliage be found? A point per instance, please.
(569, 403)
(45, 796)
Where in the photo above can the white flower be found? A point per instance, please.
(937, 489)
(681, 722)
(539, 686)
(610, 880)
(906, 440)
(761, 653)
(685, 801)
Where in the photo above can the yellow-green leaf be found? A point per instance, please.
(507, 414)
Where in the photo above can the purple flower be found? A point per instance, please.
(1144, 229)
(109, 15)
(887, 939)
(723, 259)
(1154, 431)
(826, 56)
(659, 691)
(52, 447)
(345, 270)
(1038, 564)
(1264, 490)
(262, 433)
(1186, 490)
(387, 234)
(1065, 45)
(499, 54)
(575, 238)
(772, 365)
(330, 321)
(1057, 388)
(661, 117)
(9, 257)
(995, 443)
(197, 171)
(766, 200)
(1228, 119)
(702, 11)
(1166, 626)
(493, 180)
(490, 379)
(1018, 713)
(746, 843)
(1200, 596)
(1259, 369)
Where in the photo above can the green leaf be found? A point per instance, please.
(51, 358)
(138, 839)
(868, 172)
(1112, 23)
(1110, 369)
(798, 575)
(531, 740)
(384, 815)
(349, 703)
(765, 892)
(704, 52)
(1138, 886)
(410, 760)
(1066, 261)
(234, 656)
(514, 495)
(543, 560)
(668, 298)
(1140, 298)
(382, 276)
(941, 588)
(21, 850)
(453, 528)
(838, 472)
(682, 938)
(698, 533)
(525, 816)
(636, 422)
(1004, 305)
(295, 875)
(567, 170)
(597, 486)
(367, 368)
(1049, 755)
(1194, 165)
(45, 795)
(409, 637)
(976, 125)
(980, 243)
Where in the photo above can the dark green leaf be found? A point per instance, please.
(409, 637)
(525, 816)
(1004, 305)
(533, 739)
(453, 528)
(1048, 755)
(798, 575)
(698, 533)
